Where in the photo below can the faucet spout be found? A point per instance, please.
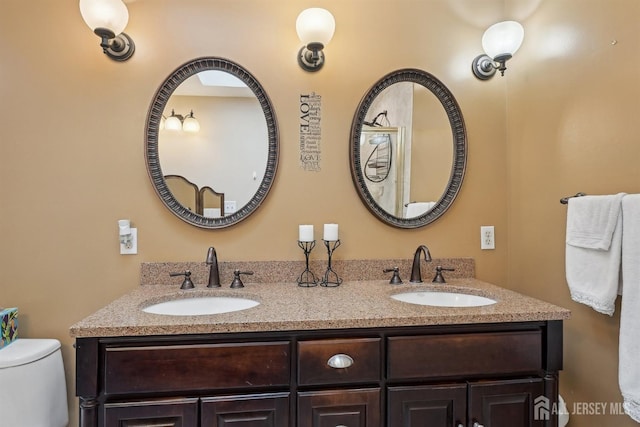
(214, 274)
(416, 277)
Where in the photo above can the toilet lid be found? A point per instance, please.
(26, 350)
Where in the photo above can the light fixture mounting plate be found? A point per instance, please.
(119, 48)
(483, 67)
(310, 60)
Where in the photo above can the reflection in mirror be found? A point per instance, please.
(185, 191)
(212, 125)
(408, 149)
(212, 202)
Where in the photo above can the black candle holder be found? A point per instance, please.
(307, 279)
(331, 278)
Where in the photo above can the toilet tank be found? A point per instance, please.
(33, 391)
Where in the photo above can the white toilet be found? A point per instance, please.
(33, 392)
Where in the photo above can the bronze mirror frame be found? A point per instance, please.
(456, 121)
(152, 128)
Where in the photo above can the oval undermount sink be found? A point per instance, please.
(443, 299)
(199, 306)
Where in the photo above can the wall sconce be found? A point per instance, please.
(108, 18)
(315, 28)
(178, 122)
(499, 42)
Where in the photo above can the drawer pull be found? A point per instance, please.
(340, 361)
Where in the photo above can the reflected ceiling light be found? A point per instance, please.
(108, 19)
(177, 122)
(499, 42)
(191, 124)
(315, 28)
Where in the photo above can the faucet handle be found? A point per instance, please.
(395, 279)
(186, 283)
(439, 277)
(237, 282)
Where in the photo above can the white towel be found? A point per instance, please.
(629, 368)
(593, 250)
(418, 208)
(591, 221)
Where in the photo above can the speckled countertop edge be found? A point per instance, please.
(287, 306)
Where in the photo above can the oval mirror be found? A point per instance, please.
(408, 148)
(211, 143)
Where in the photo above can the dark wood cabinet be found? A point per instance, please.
(155, 413)
(454, 375)
(258, 410)
(442, 405)
(507, 403)
(331, 408)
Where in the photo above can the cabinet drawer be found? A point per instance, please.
(360, 359)
(474, 354)
(178, 368)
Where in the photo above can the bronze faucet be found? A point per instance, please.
(416, 277)
(214, 274)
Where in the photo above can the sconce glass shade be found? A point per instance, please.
(315, 25)
(502, 39)
(110, 14)
(191, 124)
(108, 19)
(499, 42)
(173, 122)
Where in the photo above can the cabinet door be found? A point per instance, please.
(344, 408)
(506, 403)
(155, 413)
(432, 405)
(255, 410)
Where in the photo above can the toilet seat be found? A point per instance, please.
(26, 350)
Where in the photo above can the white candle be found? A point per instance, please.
(305, 233)
(330, 232)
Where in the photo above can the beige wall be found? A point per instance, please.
(72, 126)
(572, 108)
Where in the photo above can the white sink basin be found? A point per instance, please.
(443, 299)
(199, 306)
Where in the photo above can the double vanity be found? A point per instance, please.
(366, 353)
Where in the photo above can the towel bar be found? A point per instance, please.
(565, 200)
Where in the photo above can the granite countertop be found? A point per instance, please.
(286, 306)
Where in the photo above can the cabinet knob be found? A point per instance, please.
(477, 424)
(340, 361)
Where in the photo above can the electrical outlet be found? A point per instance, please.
(229, 207)
(133, 247)
(487, 237)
